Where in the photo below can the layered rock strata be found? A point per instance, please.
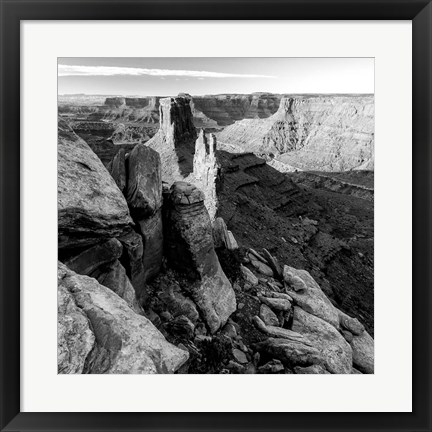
(175, 140)
(225, 109)
(190, 250)
(334, 133)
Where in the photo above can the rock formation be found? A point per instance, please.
(175, 140)
(225, 109)
(190, 250)
(117, 169)
(334, 133)
(91, 208)
(188, 276)
(100, 333)
(312, 332)
(144, 197)
(207, 171)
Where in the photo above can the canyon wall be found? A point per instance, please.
(323, 133)
(225, 109)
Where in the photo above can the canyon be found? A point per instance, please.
(222, 229)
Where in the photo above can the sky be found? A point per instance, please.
(169, 76)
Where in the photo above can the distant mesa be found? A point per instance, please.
(334, 133)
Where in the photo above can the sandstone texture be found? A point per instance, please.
(90, 205)
(114, 277)
(334, 133)
(123, 341)
(190, 250)
(311, 299)
(75, 338)
(144, 197)
(335, 350)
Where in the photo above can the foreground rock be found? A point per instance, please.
(124, 342)
(75, 339)
(310, 298)
(291, 353)
(88, 260)
(190, 250)
(114, 277)
(335, 351)
(363, 353)
(90, 205)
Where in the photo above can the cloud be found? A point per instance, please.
(75, 70)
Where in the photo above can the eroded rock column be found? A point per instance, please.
(190, 250)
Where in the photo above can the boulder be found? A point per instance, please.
(312, 299)
(295, 282)
(125, 342)
(290, 352)
(353, 325)
(114, 277)
(262, 268)
(90, 206)
(363, 353)
(144, 184)
(272, 367)
(314, 369)
(277, 304)
(268, 316)
(190, 250)
(240, 356)
(277, 332)
(75, 338)
(335, 351)
(248, 275)
(93, 257)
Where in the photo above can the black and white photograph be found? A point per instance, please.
(215, 215)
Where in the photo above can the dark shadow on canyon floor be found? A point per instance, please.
(328, 232)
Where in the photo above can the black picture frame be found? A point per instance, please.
(12, 12)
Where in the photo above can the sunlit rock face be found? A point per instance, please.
(225, 109)
(323, 133)
(175, 140)
(207, 171)
(91, 208)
